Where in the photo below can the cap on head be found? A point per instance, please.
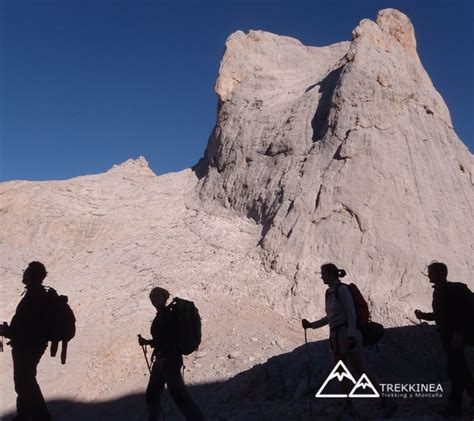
(36, 271)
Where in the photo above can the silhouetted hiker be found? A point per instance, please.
(345, 338)
(167, 358)
(452, 309)
(28, 333)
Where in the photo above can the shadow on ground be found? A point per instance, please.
(277, 389)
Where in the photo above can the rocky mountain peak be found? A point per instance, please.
(261, 57)
(394, 25)
(138, 166)
(398, 26)
(340, 153)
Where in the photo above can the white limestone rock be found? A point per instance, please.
(345, 154)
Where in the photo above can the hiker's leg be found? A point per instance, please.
(454, 366)
(179, 392)
(346, 385)
(334, 344)
(154, 389)
(454, 397)
(19, 375)
(460, 374)
(468, 380)
(357, 362)
(40, 411)
(30, 401)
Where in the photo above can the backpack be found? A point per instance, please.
(61, 322)
(372, 332)
(188, 325)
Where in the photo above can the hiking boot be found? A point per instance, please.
(388, 408)
(451, 411)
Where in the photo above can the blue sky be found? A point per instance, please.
(88, 84)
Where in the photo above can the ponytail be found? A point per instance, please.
(333, 269)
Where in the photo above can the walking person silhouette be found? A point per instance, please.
(452, 312)
(28, 333)
(167, 361)
(345, 338)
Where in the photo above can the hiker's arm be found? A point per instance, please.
(346, 298)
(319, 323)
(430, 317)
(314, 325)
(142, 341)
(424, 316)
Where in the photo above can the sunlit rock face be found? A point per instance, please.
(345, 154)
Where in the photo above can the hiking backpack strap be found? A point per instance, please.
(336, 291)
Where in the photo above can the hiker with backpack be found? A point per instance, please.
(453, 311)
(345, 339)
(28, 334)
(175, 331)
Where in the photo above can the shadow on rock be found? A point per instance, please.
(277, 389)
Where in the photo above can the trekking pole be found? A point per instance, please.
(149, 370)
(144, 354)
(308, 375)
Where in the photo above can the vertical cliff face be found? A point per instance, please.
(344, 153)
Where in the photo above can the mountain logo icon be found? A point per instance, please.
(363, 388)
(338, 372)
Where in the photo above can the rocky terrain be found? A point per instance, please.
(343, 153)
